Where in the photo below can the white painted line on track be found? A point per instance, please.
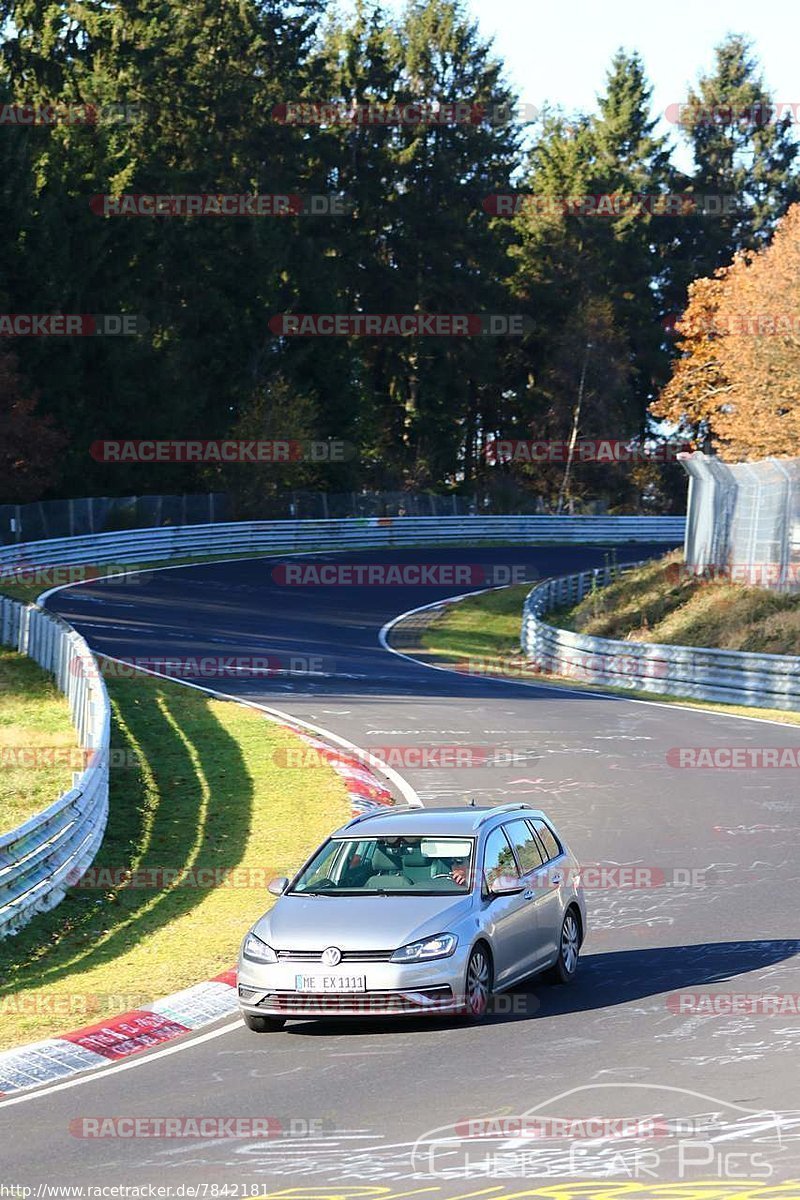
(104, 1069)
(405, 789)
(213, 562)
(564, 689)
(402, 785)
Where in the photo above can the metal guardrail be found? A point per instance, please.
(157, 545)
(48, 853)
(730, 676)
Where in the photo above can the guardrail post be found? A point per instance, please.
(24, 625)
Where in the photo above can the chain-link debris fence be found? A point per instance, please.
(743, 520)
(104, 514)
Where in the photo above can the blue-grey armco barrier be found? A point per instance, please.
(43, 857)
(731, 676)
(353, 533)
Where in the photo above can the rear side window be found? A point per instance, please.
(526, 845)
(548, 839)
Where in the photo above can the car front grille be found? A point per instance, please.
(347, 955)
(321, 1003)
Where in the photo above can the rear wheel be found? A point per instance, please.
(478, 984)
(263, 1024)
(564, 968)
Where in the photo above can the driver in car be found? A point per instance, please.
(460, 871)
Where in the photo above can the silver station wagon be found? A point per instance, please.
(416, 910)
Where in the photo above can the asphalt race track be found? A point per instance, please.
(369, 1103)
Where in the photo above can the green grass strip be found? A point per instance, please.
(34, 720)
(198, 787)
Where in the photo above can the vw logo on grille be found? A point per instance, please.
(331, 956)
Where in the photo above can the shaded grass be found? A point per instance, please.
(34, 718)
(205, 794)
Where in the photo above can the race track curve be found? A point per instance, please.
(720, 917)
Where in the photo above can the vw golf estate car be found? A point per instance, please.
(409, 910)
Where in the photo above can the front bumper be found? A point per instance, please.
(392, 989)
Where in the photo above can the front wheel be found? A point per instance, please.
(564, 968)
(478, 984)
(263, 1024)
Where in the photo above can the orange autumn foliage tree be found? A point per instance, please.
(738, 376)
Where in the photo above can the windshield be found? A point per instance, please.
(379, 866)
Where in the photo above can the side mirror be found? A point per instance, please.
(505, 885)
(278, 886)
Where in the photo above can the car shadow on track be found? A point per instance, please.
(620, 977)
(603, 981)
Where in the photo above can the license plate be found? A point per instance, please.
(330, 983)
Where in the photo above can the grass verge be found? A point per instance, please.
(486, 625)
(200, 791)
(34, 719)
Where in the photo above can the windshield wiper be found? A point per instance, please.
(347, 892)
(327, 892)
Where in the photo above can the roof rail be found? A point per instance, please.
(382, 811)
(501, 808)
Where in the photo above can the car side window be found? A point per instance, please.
(526, 845)
(548, 839)
(498, 857)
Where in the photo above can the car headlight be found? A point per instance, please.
(257, 951)
(441, 946)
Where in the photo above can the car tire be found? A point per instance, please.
(569, 943)
(478, 984)
(260, 1024)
